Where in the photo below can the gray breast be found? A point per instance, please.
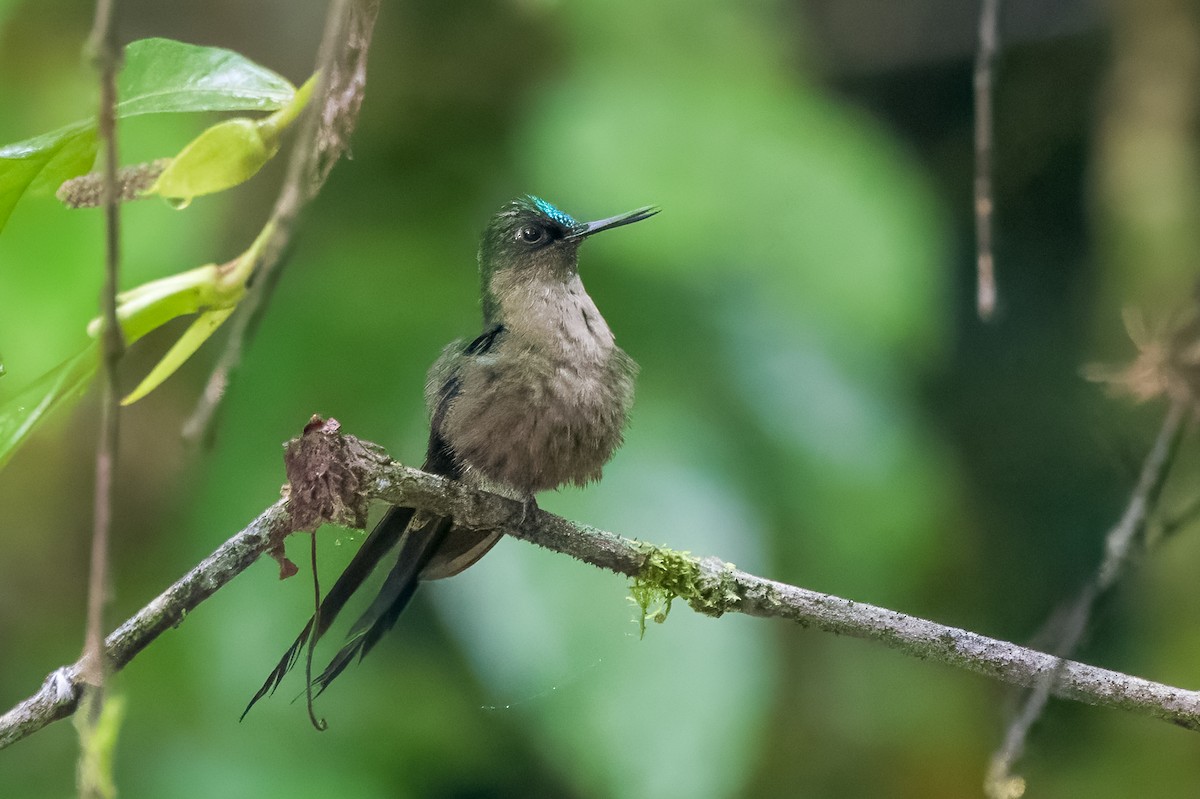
(529, 420)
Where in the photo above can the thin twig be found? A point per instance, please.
(105, 55)
(985, 58)
(1120, 543)
(720, 588)
(323, 138)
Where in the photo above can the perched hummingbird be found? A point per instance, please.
(538, 400)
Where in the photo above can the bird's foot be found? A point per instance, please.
(529, 508)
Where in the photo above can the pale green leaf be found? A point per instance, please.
(221, 157)
(188, 343)
(228, 153)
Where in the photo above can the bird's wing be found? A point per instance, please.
(442, 388)
(485, 340)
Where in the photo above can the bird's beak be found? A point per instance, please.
(628, 218)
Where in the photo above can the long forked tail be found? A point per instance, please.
(381, 540)
(417, 547)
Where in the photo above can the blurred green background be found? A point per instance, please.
(818, 402)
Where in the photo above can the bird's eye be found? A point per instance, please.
(531, 234)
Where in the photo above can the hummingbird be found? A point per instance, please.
(538, 400)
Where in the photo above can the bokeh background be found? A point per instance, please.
(818, 402)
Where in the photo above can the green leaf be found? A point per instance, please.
(24, 411)
(212, 290)
(50, 158)
(221, 157)
(204, 326)
(74, 154)
(166, 76)
(228, 153)
(160, 76)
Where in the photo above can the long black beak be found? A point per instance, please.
(627, 218)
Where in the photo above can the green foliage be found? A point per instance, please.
(26, 410)
(667, 574)
(160, 76)
(197, 333)
(151, 305)
(163, 76)
(44, 161)
(212, 291)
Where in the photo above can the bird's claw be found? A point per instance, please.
(529, 507)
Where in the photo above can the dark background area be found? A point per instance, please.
(818, 401)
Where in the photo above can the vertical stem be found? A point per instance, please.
(985, 297)
(105, 55)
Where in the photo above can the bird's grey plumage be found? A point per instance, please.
(538, 400)
(546, 404)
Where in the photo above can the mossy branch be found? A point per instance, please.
(334, 476)
(665, 575)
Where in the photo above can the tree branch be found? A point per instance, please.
(334, 477)
(60, 692)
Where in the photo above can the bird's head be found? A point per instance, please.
(529, 240)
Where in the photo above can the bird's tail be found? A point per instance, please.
(382, 539)
(430, 547)
(417, 546)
